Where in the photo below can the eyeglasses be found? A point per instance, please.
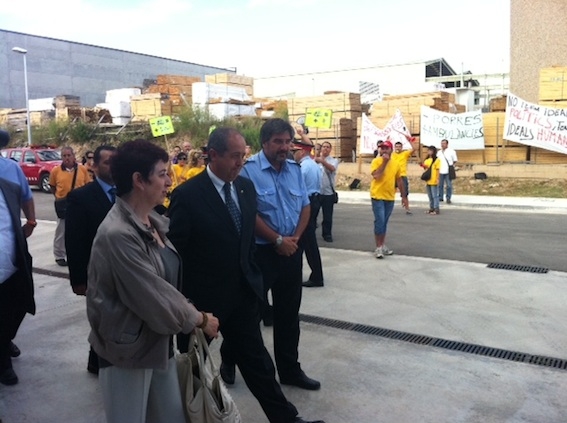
(182, 158)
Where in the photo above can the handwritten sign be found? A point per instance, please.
(161, 126)
(464, 131)
(535, 125)
(395, 130)
(319, 118)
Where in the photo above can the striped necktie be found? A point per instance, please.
(232, 208)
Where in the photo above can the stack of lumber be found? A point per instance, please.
(552, 93)
(232, 80)
(345, 107)
(175, 88)
(553, 84)
(410, 106)
(150, 105)
(15, 118)
(86, 114)
(498, 104)
(267, 108)
(62, 101)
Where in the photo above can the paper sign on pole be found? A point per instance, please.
(395, 131)
(161, 126)
(464, 131)
(319, 118)
(535, 125)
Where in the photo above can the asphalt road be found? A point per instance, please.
(521, 238)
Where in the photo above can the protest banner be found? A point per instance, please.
(161, 126)
(369, 136)
(464, 131)
(535, 125)
(319, 118)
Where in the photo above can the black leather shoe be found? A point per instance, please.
(301, 381)
(228, 373)
(328, 238)
(300, 420)
(8, 377)
(14, 350)
(311, 284)
(61, 262)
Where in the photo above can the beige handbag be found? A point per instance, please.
(205, 397)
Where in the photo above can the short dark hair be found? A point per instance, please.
(218, 140)
(398, 143)
(134, 156)
(4, 138)
(99, 149)
(275, 126)
(447, 141)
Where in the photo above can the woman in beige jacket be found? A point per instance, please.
(133, 301)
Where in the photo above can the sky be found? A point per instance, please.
(281, 37)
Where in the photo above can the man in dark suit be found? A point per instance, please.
(212, 225)
(86, 209)
(16, 281)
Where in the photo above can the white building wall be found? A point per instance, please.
(400, 79)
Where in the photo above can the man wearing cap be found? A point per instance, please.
(312, 177)
(283, 215)
(386, 173)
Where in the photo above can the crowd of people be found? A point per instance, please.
(143, 230)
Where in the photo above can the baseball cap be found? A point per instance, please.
(387, 144)
(300, 145)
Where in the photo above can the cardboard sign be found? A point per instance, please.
(161, 126)
(319, 118)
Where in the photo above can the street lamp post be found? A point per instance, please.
(23, 52)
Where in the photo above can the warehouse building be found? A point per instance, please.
(57, 67)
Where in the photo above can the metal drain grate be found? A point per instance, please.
(518, 267)
(50, 273)
(520, 357)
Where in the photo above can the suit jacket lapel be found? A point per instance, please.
(217, 206)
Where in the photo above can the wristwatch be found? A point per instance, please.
(279, 241)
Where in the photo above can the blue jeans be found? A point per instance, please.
(382, 210)
(433, 194)
(444, 178)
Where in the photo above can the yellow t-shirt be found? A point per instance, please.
(194, 171)
(434, 180)
(402, 158)
(385, 187)
(179, 174)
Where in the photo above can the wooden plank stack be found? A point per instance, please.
(173, 88)
(498, 104)
(345, 106)
(150, 105)
(233, 80)
(65, 100)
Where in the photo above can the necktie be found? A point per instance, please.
(112, 193)
(232, 208)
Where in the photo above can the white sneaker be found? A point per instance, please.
(386, 251)
(378, 253)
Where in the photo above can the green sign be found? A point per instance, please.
(319, 118)
(161, 126)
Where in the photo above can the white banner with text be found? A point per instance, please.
(395, 130)
(464, 131)
(535, 125)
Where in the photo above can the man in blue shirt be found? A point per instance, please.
(312, 177)
(283, 215)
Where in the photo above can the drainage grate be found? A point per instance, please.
(518, 267)
(538, 360)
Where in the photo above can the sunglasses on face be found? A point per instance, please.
(182, 158)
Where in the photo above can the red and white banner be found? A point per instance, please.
(395, 130)
(535, 125)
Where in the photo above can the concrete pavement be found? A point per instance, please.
(365, 377)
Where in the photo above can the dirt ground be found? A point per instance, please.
(468, 185)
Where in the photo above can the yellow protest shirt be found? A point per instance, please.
(384, 188)
(434, 180)
(402, 158)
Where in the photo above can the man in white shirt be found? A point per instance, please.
(327, 194)
(448, 157)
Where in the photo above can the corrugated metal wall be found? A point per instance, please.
(57, 67)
